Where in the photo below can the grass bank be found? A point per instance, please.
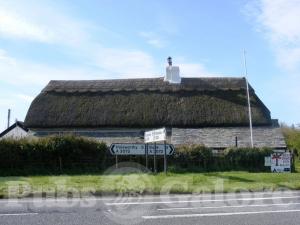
(82, 185)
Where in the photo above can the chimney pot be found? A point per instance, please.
(170, 61)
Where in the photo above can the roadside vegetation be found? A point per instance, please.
(75, 166)
(292, 138)
(76, 155)
(141, 183)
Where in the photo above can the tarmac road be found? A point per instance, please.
(263, 208)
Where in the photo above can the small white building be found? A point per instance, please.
(15, 131)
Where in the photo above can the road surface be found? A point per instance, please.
(264, 208)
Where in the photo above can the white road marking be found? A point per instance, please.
(216, 214)
(228, 206)
(205, 195)
(18, 214)
(198, 201)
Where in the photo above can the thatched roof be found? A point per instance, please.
(196, 102)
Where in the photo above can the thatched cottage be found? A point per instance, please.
(209, 111)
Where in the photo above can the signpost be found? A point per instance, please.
(146, 149)
(141, 149)
(155, 135)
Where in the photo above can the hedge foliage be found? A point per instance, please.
(72, 154)
(53, 155)
(292, 137)
(200, 158)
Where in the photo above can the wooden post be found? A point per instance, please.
(236, 141)
(154, 158)
(146, 153)
(60, 164)
(165, 158)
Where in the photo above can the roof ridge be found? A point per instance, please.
(146, 84)
(148, 78)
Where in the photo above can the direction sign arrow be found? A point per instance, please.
(139, 149)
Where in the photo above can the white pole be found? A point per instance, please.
(8, 118)
(248, 99)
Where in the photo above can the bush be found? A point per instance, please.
(200, 158)
(250, 159)
(292, 138)
(52, 155)
(194, 157)
(72, 154)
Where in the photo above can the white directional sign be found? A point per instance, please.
(155, 135)
(140, 149)
(281, 162)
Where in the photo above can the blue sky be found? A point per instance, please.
(101, 39)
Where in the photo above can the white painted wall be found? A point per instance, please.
(16, 133)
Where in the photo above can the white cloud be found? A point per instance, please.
(4, 58)
(51, 25)
(153, 39)
(194, 70)
(109, 63)
(121, 63)
(39, 22)
(26, 98)
(25, 73)
(278, 20)
(6, 103)
(12, 25)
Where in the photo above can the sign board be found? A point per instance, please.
(268, 161)
(140, 149)
(281, 162)
(155, 135)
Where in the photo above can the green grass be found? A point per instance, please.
(50, 186)
(84, 185)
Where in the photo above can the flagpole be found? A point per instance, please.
(248, 99)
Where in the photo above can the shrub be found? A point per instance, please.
(72, 154)
(251, 159)
(200, 158)
(292, 138)
(194, 157)
(52, 155)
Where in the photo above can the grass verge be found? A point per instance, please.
(83, 185)
(142, 183)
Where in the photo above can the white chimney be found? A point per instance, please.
(172, 73)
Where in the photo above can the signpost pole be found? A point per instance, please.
(116, 161)
(146, 153)
(165, 158)
(154, 158)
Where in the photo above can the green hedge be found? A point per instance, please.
(292, 138)
(194, 157)
(72, 154)
(200, 158)
(251, 159)
(53, 155)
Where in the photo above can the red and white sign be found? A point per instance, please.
(281, 162)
